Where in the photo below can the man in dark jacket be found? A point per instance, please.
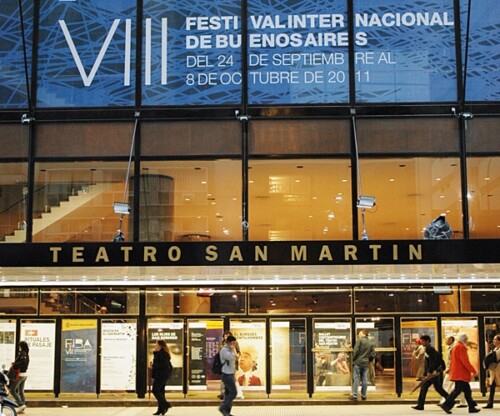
(363, 353)
(434, 367)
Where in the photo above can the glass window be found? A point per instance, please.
(15, 301)
(406, 55)
(13, 202)
(303, 199)
(190, 200)
(74, 201)
(483, 175)
(480, 298)
(190, 301)
(410, 194)
(300, 300)
(86, 302)
(422, 299)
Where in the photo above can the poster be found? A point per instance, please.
(7, 342)
(78, 355)
(173, 334)
(251, 337)
(118, 355)
(455, 327)
(280, 363)
(215, 331)
(197, 333)
(332, 355)
(41, 339)
(410, 332)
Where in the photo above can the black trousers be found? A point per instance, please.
(437, 382)
(159, 393)
(460, 387)
(491, 398)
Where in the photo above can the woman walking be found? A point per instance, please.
(21, 364)
(161, 373)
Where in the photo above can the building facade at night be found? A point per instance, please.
(291, 170)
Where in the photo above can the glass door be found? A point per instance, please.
(288, 356)
(381, 375)
(332, 355)
(412, 359)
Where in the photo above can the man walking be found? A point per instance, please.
(433, 372)
(460, 372)
(228, 357)
(494, 373)
(364, 352)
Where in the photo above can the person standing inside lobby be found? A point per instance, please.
(494, 372)
(363, 353)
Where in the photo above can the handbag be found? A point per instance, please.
(14, 374)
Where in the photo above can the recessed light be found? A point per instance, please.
(487, 179)
(438, 179)
(392, 180)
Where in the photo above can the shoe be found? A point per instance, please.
(224, 413)
(488, 406)
(417, 407)
(446, 410)
(474, 410)
(21, 409)
(461, 405)
(351, 397)
(363, 398)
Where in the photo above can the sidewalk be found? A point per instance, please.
(360, 409)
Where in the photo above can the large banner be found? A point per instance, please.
(8, 348)
(195, 52)
(41, 339)
(78, 355)
(118, 355)
(197, 332)
(251, 338)
(280, 358)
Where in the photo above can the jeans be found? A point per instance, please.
(229, 392)
(360, 373)
(17, 391)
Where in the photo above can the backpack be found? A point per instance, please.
(490, 358)
(217, 364)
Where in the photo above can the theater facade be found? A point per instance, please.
(293, 171)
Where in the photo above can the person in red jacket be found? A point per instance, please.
(460, 372)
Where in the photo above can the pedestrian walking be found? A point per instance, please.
(161, 372)
(494, 372)
(20, 365)
(460, 372)
(433, 372)
(228, 356)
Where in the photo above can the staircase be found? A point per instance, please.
(56, 213)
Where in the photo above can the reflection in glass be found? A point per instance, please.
(18, 301)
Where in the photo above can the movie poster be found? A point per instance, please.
(7, 342)
(118, 355)
(173, 334)
(280, 363)
(78, 355)
(410, 332)
(41, 339)
(251, 338)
